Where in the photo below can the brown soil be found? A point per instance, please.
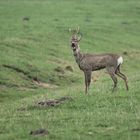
(44, 85)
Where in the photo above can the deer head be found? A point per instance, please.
(75, 39)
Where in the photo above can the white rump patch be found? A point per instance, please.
(120, 60)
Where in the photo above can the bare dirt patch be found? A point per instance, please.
(44, 85)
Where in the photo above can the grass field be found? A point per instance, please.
(34, 46)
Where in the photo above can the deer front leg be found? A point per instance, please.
(87, 80)
(85, 83)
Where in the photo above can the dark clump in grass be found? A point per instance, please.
(136, 129)
(26, 18)
(54, 102)
(59, 70)
(39, 132)
(101, 125)
(125, 53)
(69, 68)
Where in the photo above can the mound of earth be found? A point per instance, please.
(54, 102)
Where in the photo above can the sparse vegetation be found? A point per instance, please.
(37, 65)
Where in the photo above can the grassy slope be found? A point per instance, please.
(40, 45)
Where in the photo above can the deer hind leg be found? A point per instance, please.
(111, 72)
(121, 75)
(87, 80)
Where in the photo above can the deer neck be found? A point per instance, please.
(78, 55)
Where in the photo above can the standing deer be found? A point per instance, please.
(93, 62)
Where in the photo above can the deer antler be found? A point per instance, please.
(79, 38)
(74, 32)
(77, 30)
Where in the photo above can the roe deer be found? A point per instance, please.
(93, 62)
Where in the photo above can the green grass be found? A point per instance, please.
(34, 49)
